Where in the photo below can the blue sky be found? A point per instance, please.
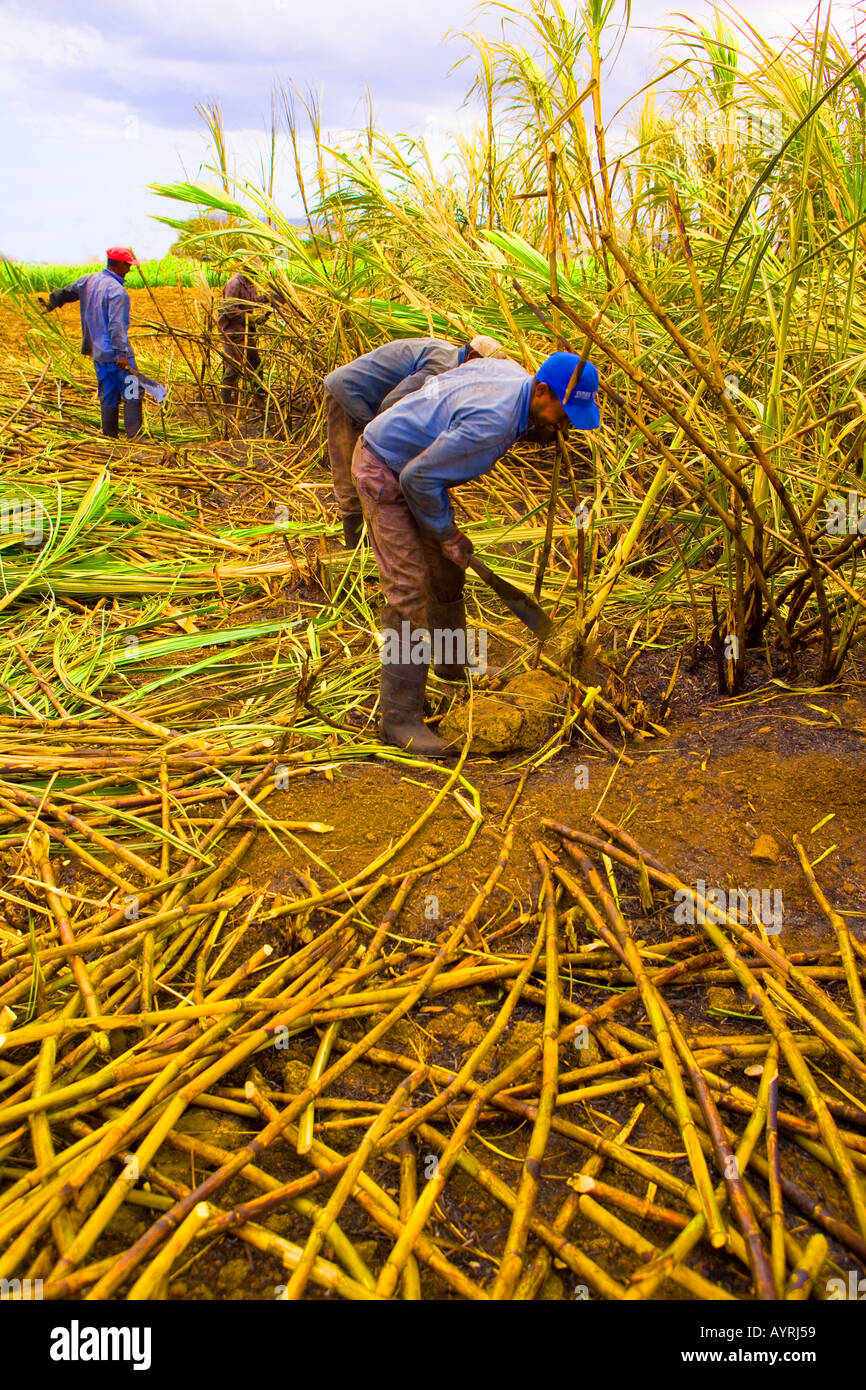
(97, 102)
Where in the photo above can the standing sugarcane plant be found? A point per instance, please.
(715, 271)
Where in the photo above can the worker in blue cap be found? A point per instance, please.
(456, 427)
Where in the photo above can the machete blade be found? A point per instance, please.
(521, 604)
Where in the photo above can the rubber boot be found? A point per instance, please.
(448, 618)
(451, 618)
(109, 415)
(353, 525)
(132, 417)
(402, 711)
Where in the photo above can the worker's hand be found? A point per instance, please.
(45, 305)
(458, 548)
(122, 362)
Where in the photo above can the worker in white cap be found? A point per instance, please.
(363, 389)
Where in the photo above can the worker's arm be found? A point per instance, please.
(467, 451)
(271, 302)
(273, 299)
(343, 388)
(437, 357)
(237, 305)
(256, 298)
(407, 386)
(69, 294)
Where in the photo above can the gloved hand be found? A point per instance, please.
(458, 548)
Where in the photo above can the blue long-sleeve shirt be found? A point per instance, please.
(455, 428)
(377, 380)
(104, 304)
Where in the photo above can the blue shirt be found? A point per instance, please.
(104, 304)
(380, 378)
(455, 428)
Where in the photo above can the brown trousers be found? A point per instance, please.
(241, 363)
(343, 435)
(412, 566)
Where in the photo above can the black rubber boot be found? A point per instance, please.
(132, 417)
(402, 711)
(448, 618)
(109, 415)
(353, 525)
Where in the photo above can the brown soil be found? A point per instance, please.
(774, 763)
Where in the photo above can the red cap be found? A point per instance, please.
(122, 253)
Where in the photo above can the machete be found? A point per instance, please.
(521, 604)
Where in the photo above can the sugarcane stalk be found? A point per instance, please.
(402, 1251)
(661, 1030)
(537, 1271)
(64, 930)
(512, 1258)
(411, 1282)
(148, 1283)
(777, 1211)
(378, 1205)
(803, 1277)
(571, 1255)
(342, 1192)
(843, 937)
(307, 1120)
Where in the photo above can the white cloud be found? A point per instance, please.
(97, 104)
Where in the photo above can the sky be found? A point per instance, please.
(96, 103)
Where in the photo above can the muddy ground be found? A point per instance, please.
(699, 800)
(729, 774)
(717, 794)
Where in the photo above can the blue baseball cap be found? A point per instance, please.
(557, 372)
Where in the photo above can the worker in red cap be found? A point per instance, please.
(104, 304)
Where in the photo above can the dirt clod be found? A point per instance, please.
(766, 850)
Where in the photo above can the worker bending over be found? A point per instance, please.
(455, 428)
(362, 389)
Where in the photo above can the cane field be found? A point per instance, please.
(579, 1014)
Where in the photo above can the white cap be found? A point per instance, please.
(487, 347)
